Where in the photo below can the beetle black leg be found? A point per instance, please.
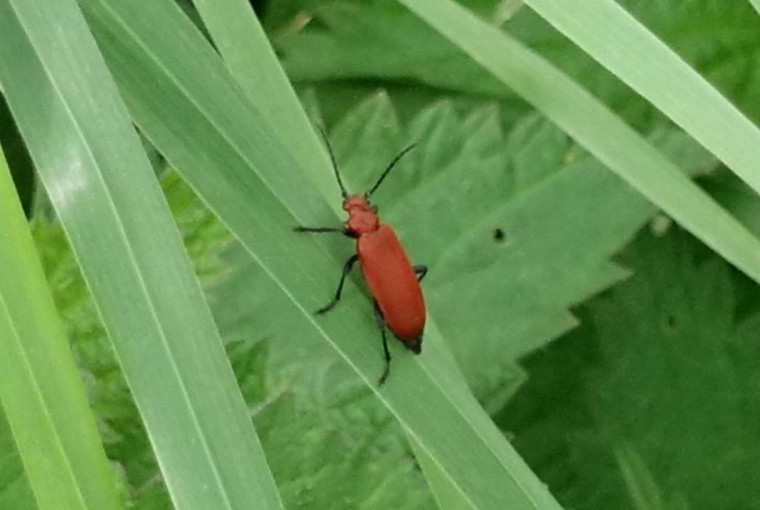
(420, 270)
(338, 230)
(346, 269)
(381, 325)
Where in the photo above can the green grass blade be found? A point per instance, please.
(105, 193)
(626, 48)
(183, 99)
(40, 389)
(248, 55)
(597, 128)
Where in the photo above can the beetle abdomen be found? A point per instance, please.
(392, 282)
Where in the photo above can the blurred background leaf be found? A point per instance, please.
(664, 367)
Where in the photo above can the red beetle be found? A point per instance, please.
(392, 280)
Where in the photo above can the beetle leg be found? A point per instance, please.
(338, 230)
(420, 270)
(381, 325)
(346, 269)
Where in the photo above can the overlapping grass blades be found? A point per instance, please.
(105, 193)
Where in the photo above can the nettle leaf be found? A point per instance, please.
(687, 379)
(362, 40)
(659, 383)
(497, 299)
(515, 228)
(343, 450)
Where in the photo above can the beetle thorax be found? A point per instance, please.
(362, 218)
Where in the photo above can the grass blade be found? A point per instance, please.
(595, 127)
(40, 389)
(104, 191)
(248, 55)
(199, 118)
(626, 48)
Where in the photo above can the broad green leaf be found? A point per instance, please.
(534, 159)
(104, 191)
(340, 448)
(554, 207)
(756, 5)
(598, 129)
(473, 214)
(203, 123)
(610, 35)
(42, 397)
(664, 368)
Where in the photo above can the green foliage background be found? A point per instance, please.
(616, 352)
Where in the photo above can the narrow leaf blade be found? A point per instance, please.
(40, 390)
(626, 48)
(248, 55)
(104, 191)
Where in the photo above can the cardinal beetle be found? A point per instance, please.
(392, 280)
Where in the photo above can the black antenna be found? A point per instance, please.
(387, 170)
(343, 191)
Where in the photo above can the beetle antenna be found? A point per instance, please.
(334, 163)
(387, 170)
